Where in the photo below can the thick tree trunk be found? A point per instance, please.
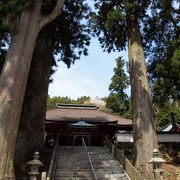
(31, 129)
(12, 87)
(144, 132)
(13, 81)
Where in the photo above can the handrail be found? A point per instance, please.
(84, 144)
(51, 171)
(130, 171)
(89, 158)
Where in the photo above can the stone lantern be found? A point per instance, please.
(35, 164)
(157, 165)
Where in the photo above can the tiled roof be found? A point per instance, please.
(59, 114)
(169, 128)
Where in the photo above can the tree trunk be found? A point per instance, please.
(31, 129)
(144, 132)
(14, 79)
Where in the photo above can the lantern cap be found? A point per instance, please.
(35, 161)
(156, 159)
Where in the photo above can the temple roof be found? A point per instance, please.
(172, 126)
(82, 124)
(89, 115)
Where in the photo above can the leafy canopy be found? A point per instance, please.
(162, 47)
(109, 21)
(69, 33)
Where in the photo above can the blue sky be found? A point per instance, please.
(89, 76)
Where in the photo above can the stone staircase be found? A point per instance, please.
(73, 164)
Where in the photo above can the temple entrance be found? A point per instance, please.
(81, 130)
(94, 127)
(78, 140)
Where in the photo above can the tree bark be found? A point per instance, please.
(144, 132)
(31, 129)
(14, 79)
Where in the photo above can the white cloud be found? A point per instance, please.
(69, 82)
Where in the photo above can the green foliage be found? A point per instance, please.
(117, 105)
(109, 24)
(160, 35)
(161, 41)
(72, 36)
(51, 102)
(109, 21)
(69, 32)
(162, 44)
(165, 74)
(118, 100)
(120, 81)
(162, 114)
(159, 25)
(104, 99)
(82, 99)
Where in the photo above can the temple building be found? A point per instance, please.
(72, 122)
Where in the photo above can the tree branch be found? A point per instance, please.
(55, 13)
(26, 5)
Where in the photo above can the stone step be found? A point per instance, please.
(112, 171)
(79, 166)
(88, 178)
(95, 164)
(85, 160)
(62, 159)
(89, 173)
(76, 167)
(74, 178)
(97, 169)
(73, 164)
(81, 175)
(73, 174)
